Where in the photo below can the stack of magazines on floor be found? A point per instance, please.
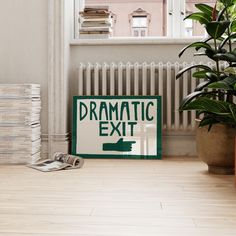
(95, 22)
(20, 131)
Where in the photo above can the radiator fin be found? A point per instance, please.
(125, 79)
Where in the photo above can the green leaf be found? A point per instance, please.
(200, 74)
(179, 74)
(216, 28)
(230, 57)
(227, 3)
(202, 85)
(208, 120)
(233, 35)
(211, 119)
(208, 105)
(223, 76)
(189, 98)
(212, 76)
(230, 80)
(210, 53)
(205, 40)
(197, 45)
(219, 85)
(204, 8)
(201, 17)
(233, 26)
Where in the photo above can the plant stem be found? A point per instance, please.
(229, 97)
(217, 61)
(220, 95)
(228, 31)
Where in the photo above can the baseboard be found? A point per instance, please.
(172, 145)
(179, 145)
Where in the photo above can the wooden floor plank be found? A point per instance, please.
(174, 196)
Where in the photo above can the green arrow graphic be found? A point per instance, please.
(119, 146)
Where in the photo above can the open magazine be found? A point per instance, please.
(60, 161)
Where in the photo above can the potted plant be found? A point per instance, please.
(213, 97)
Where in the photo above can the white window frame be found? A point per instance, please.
(175, 15)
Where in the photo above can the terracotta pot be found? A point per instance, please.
(216, 148)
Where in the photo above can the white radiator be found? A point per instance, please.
(118, 79)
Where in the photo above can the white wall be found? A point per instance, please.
(159, 52)
(23, 45)
(24, 54)
(34, 48)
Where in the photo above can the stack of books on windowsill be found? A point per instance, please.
(20, 131)
(95, 22)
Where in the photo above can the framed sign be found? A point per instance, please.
(117, 127)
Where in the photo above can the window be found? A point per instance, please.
(139, 26)
(159, 18)
(139, 23)
(188, 27)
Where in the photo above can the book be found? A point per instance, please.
(17, 146)
(94, 16)
(19, 90)
(95, 20)
(95, 24)
(20, 132)
(22, 104)
(19, 158)
(32, 132)
(96, 9)
(11, 117)
(95, 29)
(59, 161)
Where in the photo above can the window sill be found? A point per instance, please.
(133, 41)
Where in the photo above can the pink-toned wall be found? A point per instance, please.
(122, 9)
(156, 8)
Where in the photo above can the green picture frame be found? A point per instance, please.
(75, 136)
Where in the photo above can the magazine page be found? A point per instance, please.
(73, 161)
(58, 162)
(49, 165)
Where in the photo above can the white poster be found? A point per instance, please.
(122, 127)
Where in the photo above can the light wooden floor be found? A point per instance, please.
(174, 196)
